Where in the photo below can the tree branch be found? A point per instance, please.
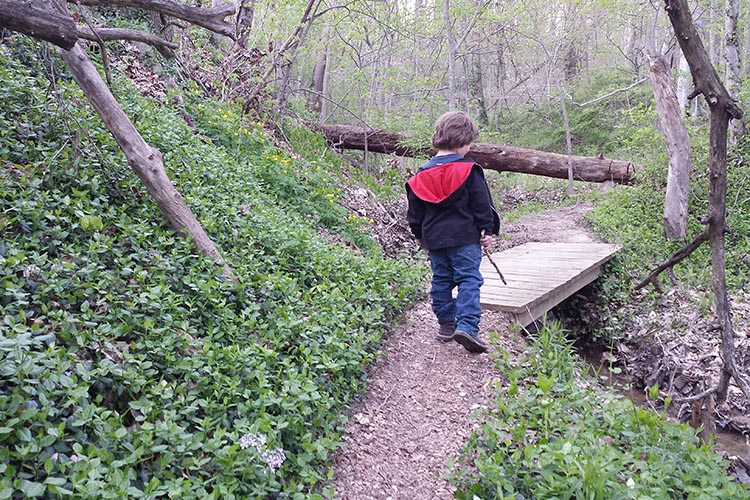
(695, 397)
(102, 46)
(707, 81)
(676, 257)
(38, 23)
(213, 19)
(275, 61)
(145, 161)
(62, 30)
(605, 96)
(108, 34)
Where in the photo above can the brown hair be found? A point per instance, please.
(454, 130)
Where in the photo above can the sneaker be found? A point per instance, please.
(446, 331)
(471, 343)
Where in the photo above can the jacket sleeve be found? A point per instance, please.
(415, 213)
(485, 215)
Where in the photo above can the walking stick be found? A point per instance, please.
(489, 257)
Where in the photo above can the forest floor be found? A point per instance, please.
(423, 394)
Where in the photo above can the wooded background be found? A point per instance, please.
(396, 64)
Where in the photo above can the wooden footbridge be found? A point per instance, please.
(540, 275)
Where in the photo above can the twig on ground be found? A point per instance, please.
(696, 397)
(386, 398)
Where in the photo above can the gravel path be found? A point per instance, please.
(423, 393)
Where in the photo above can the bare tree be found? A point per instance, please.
(723, 108)
(315, 99)
(286, 60)
(280, 58)
(684, 84)
(451, 54)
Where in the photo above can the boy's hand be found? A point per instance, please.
(485, 240)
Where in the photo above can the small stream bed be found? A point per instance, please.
(733, 445)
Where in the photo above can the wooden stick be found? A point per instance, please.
(489, 257)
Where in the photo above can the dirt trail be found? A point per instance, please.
(423, 393)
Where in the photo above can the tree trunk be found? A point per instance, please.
(162, 27)
(475, 81)
(491, 156)
(501, 77)
(684, 84)
(286, 68)
(143, 159)
(213, 19)
(451, 55)
(244, 20)
(635, 47)
(678, 148)
(568, 140)
(323, 116)
(717, 221)
(315, 100)
(732, 60)
(715, 20)
(278, 59)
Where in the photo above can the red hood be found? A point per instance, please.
(435, 184)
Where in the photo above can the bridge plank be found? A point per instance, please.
(540, 276)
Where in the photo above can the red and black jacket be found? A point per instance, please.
(450, 203)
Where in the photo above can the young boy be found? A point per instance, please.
(452, 216)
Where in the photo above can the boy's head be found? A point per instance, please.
(454, 130)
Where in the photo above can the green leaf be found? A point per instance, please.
(24, 434)
(545, 383)
(31, 489)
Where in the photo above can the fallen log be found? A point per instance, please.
(498, 157)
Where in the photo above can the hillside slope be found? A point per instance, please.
(131, 368)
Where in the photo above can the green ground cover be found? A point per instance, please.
(130, 367)
(553, 434)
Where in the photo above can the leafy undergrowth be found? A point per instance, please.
(130, 367)
(552, 435)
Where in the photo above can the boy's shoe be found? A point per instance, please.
(445, 334)
(471, 343)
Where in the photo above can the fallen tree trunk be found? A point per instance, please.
(491, 156)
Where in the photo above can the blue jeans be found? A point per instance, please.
(451, 267)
